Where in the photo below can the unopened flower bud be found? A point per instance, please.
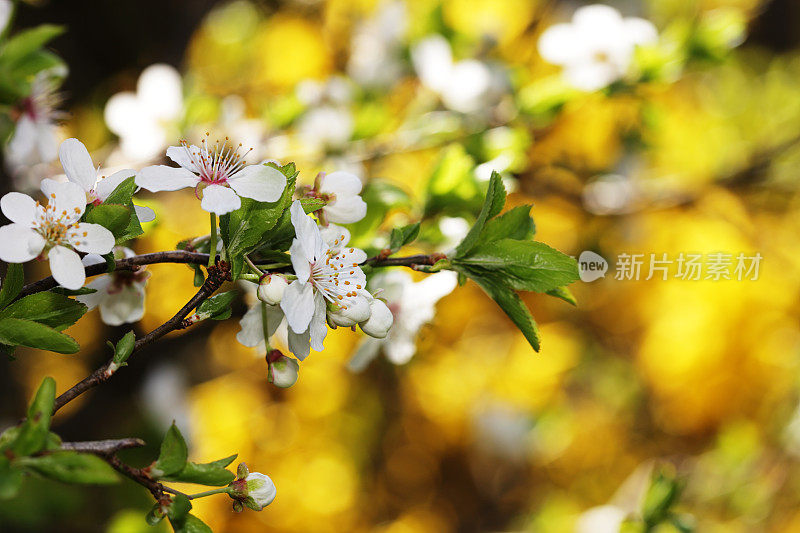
(380, 320)
(255, 490)
(283, 372)
(271, 288)
(355, 311)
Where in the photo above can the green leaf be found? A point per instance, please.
(71, 467)
(243, 229)
(123, 193)
(114, 217)
(33, 434)
(403, 236)
(173, 455)
(18, 332)
(27, 42)
(492, 205)
(213, 474)
(154, 516)
(12, 284)
(312, 204)
(36, 62)
(10, 479)
(524, 265)
(452, 186)
(563, 293)
(190, 524)
(179, 507)
(73, 292)
(124, 348)
(48, 308)
(662, 493)
(380, 197)
(217, 307)
(515, 224)
(510, 302)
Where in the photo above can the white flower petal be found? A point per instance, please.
(262, 183)
(333, 233)
(640, 31)
(123, 307)
(19, 243)
(144, 213)
(346, 209)
(158, 178)
(220, 200)
(433, 60)
(365, 353)
(19, 208)
(252, 332)
(318, 328)
(91, 238)
(298, 305)
(302, 268)
(121, 109)
(340, 182)
(160, 90)
(77, 163)
(68, 198)
(66, 267)
(592, 76)
(106, 186)
(299, 344)
(46, 140)
(559, 44)
(100, 284)
(184, 155)
(307, 232)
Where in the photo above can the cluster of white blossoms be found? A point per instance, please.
(597, 47)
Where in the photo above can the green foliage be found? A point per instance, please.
(117, 213)
(36, 321)
(33, 433)
(403, 236)
(190, 524)
(217, 307)
(498, 255)
(71, 467)
(213, 473)
(452, 186)
(19, 332)
(173, 455)
(244, 229)
(12, 284)
(21, 57)
(123, 350)
(381, 197)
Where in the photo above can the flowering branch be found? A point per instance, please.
(217, 275)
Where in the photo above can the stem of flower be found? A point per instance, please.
(265, 326)
(212, 245)
(221, 490)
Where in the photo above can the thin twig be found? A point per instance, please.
(217, 275)
(102, 447)
(136, 474)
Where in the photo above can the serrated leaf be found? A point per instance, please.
(123, 193)
(34, 432)
(71, 467)
(19, 332)
(510, 302)
(243, 229)
(124, 348)
(48, 308)
(190, 524)
(492, 205)
(217, 306)
(524, 265)
(515, 224)
(12, 283)
(212, 474)
(563, 293)
(114, 217)
(403, 236)
(173, 455)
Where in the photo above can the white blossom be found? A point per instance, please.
(466, 86)
(53, 231)
(80, 170)
(219, 174)
(376, 46)
(412, 305)
(271, 288)
(380, 319)
(597, 47)
(261, 488)
(283, 372)
(120, 295)
(342, 191)
(145, 120)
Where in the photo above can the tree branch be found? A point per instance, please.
(129, 263)
(136, 474)
(216, 276)
(101, 447)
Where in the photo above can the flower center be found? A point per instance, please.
(218, 162)
(337, 277)
(53, 226)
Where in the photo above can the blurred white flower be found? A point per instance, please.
(6, 9)
(466, 86)
(454, 229)
(601, 519)
(120, 295)
(328, 122)
(164, 395)
(35, 139)
(412, 305)
(145, 120)
(53, 232)
(376, 46)
(597, 47)
(219, 174)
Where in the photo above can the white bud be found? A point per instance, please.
(260, 488)
(271, 288)
(380, 320)
(354, 311)
(283, 372)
